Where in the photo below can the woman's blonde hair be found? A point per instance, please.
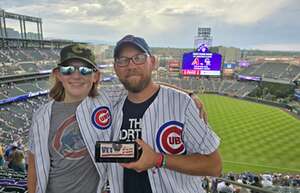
(57, 92)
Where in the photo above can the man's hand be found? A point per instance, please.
(147, 160)
(200, 106)
(194, 164)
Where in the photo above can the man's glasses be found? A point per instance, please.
(137, 59)
(68, 70)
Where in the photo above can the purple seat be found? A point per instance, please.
(21, 182)
(20, 185)
(9, 181)
(3, 184)
(14, 188)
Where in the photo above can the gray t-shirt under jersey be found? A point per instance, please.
(72, 169)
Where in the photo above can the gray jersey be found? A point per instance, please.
(94, 118)
(170, 125)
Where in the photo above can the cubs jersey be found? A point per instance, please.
(170, 125)
(94, 118)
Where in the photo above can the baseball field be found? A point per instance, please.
(255, 137)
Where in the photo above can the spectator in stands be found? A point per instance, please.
(257, 182)
(242, 189)
(214, 185)
(226, 187)
(14, 158)
(17, 161)
(1, 156)
(205, 184)
(286, 181)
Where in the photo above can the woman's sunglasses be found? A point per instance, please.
(68, 70)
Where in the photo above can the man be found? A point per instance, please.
(177, 146)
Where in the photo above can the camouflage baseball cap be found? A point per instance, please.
(77, 51)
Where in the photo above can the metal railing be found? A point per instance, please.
(255, 188)
(268, 189)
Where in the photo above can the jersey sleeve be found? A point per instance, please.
(197, 136)
(31, 143)
(114, 92)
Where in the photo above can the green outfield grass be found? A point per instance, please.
(255, 137)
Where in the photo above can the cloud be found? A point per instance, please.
(281, 47)
(243, 23)
(242, 12)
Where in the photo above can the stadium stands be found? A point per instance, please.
(277, 183)
(231, 87)
(27, 60)
(273, 70)
(290, 72)
(15, 119)
(11, 181)
(28, 54)
(28, 67)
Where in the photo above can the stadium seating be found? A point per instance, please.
(11, 181)
(15, 119)
(273, 70)
(27, 60)
(232, 87)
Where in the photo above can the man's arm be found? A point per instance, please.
(117, 92)
(194, 164)
(31, 173)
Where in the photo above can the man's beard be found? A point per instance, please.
(138, 87)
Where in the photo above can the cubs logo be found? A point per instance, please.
(169, 138)
(68, 142)
(101, 118)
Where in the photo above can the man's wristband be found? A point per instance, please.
(164, 163)
(159, 161)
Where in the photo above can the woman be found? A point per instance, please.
(64, 131)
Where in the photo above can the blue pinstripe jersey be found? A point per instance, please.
(170, 125)
(94, 117)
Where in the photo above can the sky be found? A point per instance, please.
(247, 24)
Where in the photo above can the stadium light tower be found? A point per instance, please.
(203, 37)
(22, 20)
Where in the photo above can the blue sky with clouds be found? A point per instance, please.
(262, 24)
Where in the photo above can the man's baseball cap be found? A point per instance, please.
(77, 51)
(136, 41)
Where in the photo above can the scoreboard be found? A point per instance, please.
(201, 62)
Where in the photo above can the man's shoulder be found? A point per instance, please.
(174, 91)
